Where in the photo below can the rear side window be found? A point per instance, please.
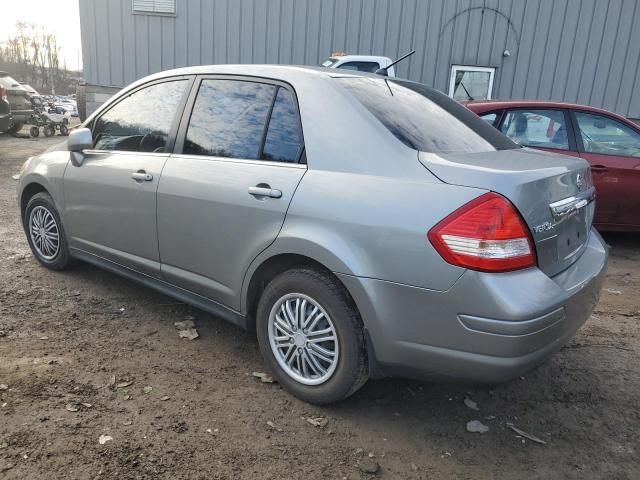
(425, 119)
(142, 121)
(489, 117)
(283, 141)
(228, 119)
(537, 128)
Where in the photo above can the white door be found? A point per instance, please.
(471, 83)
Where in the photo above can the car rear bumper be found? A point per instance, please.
(5, 122)
(486, 327)
(20, 116)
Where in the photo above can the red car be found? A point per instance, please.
(609, 142)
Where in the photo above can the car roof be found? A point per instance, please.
(275, 71)
(481, 106)
(286, 73)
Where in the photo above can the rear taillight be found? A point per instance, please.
(486, 234)
(3, 94)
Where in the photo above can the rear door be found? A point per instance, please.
(225, 192)
(545, 129)
(613, 151)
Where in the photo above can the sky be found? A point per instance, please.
(58, 16)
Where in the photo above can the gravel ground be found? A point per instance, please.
(85, 354)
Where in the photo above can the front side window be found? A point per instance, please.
(604, 135)
(283, 141)
(142, 121)
(228, 119)
(423, 118)
(370, 67)
(537, 128)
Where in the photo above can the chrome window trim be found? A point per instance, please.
(270, 163)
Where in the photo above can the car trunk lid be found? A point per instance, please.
(553, 193)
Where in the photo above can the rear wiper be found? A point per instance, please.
(383, 70)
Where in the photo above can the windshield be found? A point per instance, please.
(425, 119)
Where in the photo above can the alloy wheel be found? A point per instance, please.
(44, 232)
(303, 339)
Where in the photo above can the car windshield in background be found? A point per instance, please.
(425, 119)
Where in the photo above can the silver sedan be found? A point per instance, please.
(362, 226)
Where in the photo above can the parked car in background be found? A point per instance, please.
(360, 63)
(15, 104)
(609, 142)
(359, 225)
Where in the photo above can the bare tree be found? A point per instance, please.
(32, 55)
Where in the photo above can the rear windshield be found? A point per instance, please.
(424, 119)
(7, 82)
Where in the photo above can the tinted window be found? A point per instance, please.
(228, 119)
(537, 128)
(425, 119)
(283, 140)
(370, 67)
(601, 134)
(142, 121)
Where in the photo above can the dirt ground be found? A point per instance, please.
(85, 353)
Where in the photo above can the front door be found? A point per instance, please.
(223, 198)
(110, 199)
(613, 151)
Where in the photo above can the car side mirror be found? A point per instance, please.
(79, 139)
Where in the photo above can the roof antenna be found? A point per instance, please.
(383, 71)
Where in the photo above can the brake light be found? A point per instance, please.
(487, 234)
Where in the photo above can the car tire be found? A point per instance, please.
(41, 216)
(15, 128)
(324, 298)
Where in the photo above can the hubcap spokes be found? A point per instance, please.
(44, 232)
(303, 339)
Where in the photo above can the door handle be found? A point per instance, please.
(264, 191)
(598, 168)
(141, 176)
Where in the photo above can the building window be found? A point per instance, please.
(471, 83)
(162, 7)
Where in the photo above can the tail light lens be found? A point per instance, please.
(3, 94)
(487, 234)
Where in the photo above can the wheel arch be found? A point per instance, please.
(266, 269)
(29, 191)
